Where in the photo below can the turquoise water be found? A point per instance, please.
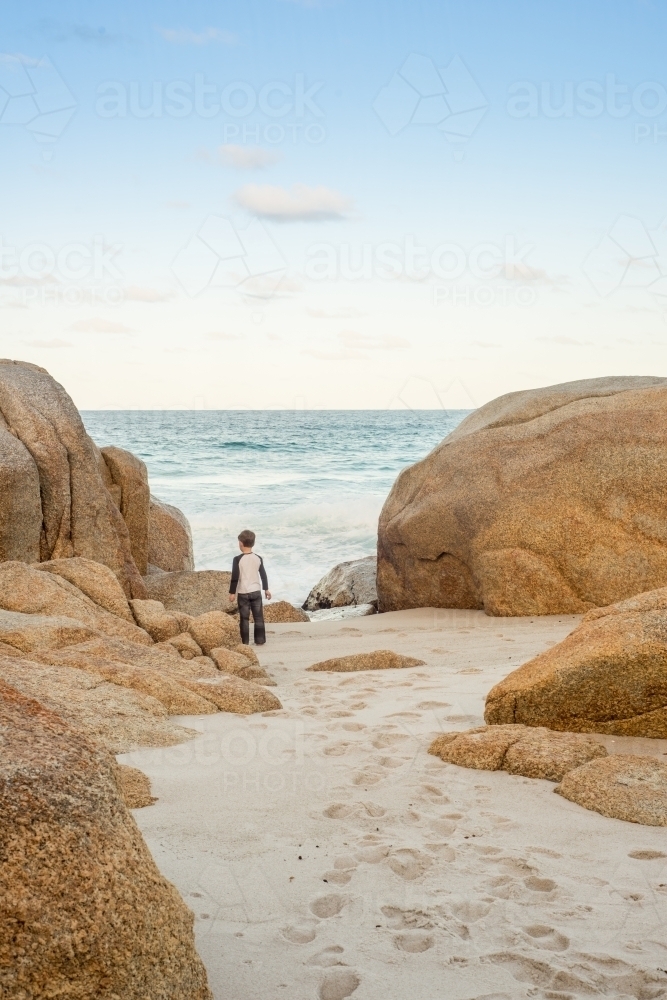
(310, 484)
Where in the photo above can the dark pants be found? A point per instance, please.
(248, 603)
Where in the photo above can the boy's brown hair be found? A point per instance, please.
(247, 538)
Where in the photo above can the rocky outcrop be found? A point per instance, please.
(213, 629)
(169, 538)
(380, 659)
(283, 611)
(233, 694)
(193, 592)
(20, 500)
(541, 502)
(235, 662)
(535, 753)
(129, 487)
(134, 787)
(160, 625)
(93, 579)
(84, 910)
(621, 786)
(30, 591)
(77, 515)
(347, 583)
(608, 676)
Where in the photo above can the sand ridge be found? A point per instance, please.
(327, 854)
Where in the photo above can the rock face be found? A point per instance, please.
(608, 676)
(28, 590)
(535, 753)
(283, 611)
(20, 501)
(193, 592)
(76, 513)
(169, 538)
(84, 910)
(347, 583)
(621, 786)
(129, 478)
(541, 502)
(134, 787)
(381, 659)
(93, 579)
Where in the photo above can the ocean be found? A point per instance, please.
(309, 483)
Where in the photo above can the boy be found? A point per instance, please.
(249, 579)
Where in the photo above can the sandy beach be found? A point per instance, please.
(325, 853)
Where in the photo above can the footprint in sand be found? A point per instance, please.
(409, 863)
(337, 877)
(299, 935)
(547, 937)
(336, 749)
(338, 810)
(338, 984)
(328, 906)
(413, 941)
(399, 919)
(386, 740)
(350, 631)
(367, 777)
(372, 855)
(426, 705)
(327, 958)
(540, 884)
(353, 727)
(646, 855)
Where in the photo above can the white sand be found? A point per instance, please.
(321, 847)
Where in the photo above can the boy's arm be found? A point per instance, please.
(262, 576)
(234, 582)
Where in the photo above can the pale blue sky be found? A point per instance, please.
(326, 169)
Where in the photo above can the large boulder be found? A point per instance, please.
(283, 611)
(84, 910)
(608, 676)
(193, 592)
(20, 500)
(347, 583)
(129, 486)
(379, 659)
(78, 514)
(621, 786)
(24, 588)
(169, 538)
(93, 579)
(534, 753)
(548, 501)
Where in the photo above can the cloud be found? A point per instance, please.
(565, 341)
(300, 204)
(65, 31)
(186, 36)
(98, 325)
(178, 205)
(50, 344)
(248, 157)
(363, 341)
(483, 343)
(224, 336)
(136, 293)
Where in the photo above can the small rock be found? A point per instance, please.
(380, 659)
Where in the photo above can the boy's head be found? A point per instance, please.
(246, 539)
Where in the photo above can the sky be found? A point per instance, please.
(332, 203)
